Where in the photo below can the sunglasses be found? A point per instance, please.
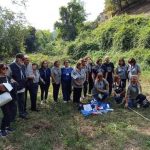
(5, 68)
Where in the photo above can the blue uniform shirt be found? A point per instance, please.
(66, 73)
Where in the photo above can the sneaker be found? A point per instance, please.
(9, 130)
(3, 133)
(42, 102)
(65, 101)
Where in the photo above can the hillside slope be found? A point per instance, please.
(143, 8)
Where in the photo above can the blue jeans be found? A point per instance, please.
(104, 96)
(132, 103)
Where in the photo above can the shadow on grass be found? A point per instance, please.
(61, 126)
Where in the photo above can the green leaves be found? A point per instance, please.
(71, 18)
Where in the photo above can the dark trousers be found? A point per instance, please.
(66, 90)
(85, 88)
(91, 84)
(110, 86)
(21, 102)
(44, 91)
(6, 116)
(26, 97)
(28, 89)
(77, 94)
(13, 110)
(33, 95)
(124, 82)
(13, 105)
(55, 91)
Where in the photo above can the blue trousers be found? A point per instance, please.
(66, 90)
(132, 103)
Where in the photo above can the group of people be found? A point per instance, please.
(99, 80)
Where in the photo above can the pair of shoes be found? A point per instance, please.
(3, 133)
(9, 130)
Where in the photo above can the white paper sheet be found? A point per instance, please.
(8, 86)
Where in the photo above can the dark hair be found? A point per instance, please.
(116, 77)
(20, 55)
(98, 60)
(55, 62)
(43, 63)
(35, 64)
(119, 62)
(100, 74)
(1, 65)
(65, 61)
(133, 61)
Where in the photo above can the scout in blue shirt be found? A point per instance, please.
(66, 81)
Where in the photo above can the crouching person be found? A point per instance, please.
(100, 90)
(133, 90)
(118, 89)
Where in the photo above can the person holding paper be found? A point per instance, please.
(4, 84)
(18, 74)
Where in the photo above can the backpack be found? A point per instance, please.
(142, 100)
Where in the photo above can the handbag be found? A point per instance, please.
(5, 98)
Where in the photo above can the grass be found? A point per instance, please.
(61, 126)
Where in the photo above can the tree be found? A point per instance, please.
(12, 32)
(71, 19)
(43, 38)
(30, 40)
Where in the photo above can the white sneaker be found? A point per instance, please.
(65, 101)
(42, 102)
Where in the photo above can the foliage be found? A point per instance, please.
(12, 32)
(71, 20)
